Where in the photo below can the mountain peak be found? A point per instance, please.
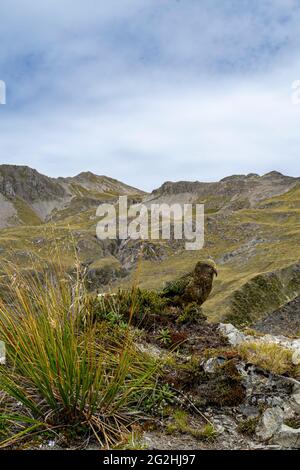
(85, 174)
(274, 174)
(101, 183)
(233, 192)
(23, 190)
(239, 177)
(28, 184)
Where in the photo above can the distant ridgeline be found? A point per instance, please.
(252, 231)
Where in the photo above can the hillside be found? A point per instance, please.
(30, 198)
(222, 375)
(252, 231)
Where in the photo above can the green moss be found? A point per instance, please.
(189, 374)
(252, 332)
(141, 306)
(248, 426)
(293, 422)
(192, 313)
(224, 388)
(181, 423)
(207, 433)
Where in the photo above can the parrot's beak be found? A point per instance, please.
(216, 272)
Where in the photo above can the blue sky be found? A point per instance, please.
(150, 90)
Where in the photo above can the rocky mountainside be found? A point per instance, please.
(236, 375)
(252, 231)
(28, 197)
(234, 192)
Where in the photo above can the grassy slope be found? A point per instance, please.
(273, 231)
(278, 229)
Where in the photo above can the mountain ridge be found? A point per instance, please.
(252, 231)
(24, 189)
(230, 193)
(26, 194)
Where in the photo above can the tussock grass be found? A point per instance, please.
(59, 368)
(271, 357)
(181, 423)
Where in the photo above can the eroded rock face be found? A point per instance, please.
(270, 424)
(45, 196)
(28, 184)
(234, 336)
(287, 437)
(295, 401)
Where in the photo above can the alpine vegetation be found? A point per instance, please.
(62, 368)
(158, 221)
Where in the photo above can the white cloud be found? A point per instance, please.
(148, 91)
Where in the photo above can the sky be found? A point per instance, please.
(148, 91)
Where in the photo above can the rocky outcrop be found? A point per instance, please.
(231, 193)
(280, 394)
(25, 183)
(237, 337)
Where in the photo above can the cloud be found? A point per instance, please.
(148, 91)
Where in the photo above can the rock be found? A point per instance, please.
(249, 411)
(296, 357)
(288, 437)
(288, 410)
(212, 364)
(295, 402)
(233, 335)
(153, 350)
(270, 424)
(283, 341)
(236, 337)
(296, 345)
(219, 429)
(2, 353)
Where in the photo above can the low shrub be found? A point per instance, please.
(136, 306)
